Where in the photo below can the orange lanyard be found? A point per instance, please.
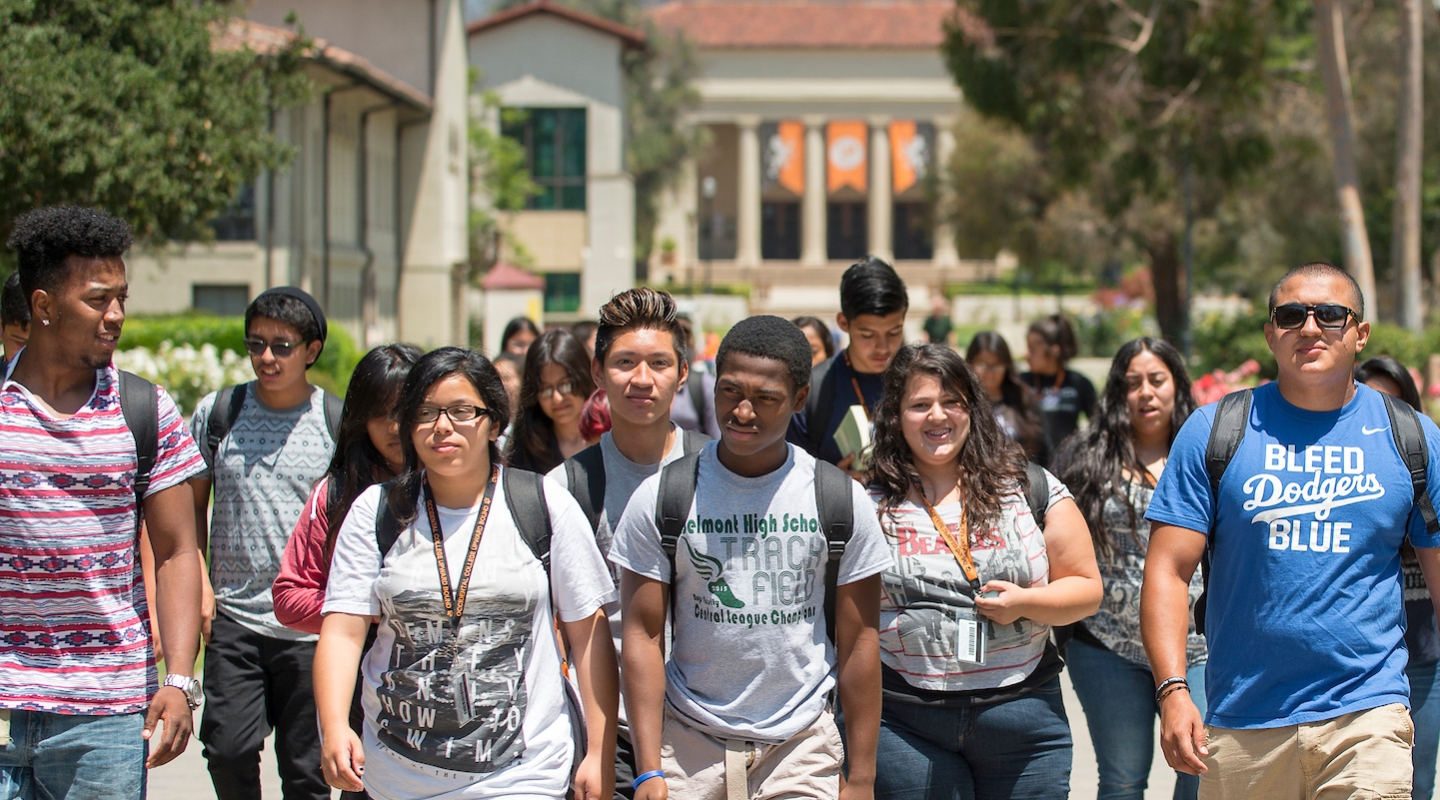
(855, 384)
(959, 547)
(455, 599)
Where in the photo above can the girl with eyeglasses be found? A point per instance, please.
(971, 681)
(463, 691)
(556, 383)
(1015, 407)
(1112, 466)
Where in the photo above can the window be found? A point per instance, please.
(237, 222)
(224, 300)
(554, 142)
(562, 292)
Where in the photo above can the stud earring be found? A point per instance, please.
(45, 322)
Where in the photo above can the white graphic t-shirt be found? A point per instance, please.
(751, 659)
(478, 710)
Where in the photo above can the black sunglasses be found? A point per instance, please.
(256, 347)
(1329, 316)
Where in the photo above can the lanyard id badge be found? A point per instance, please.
(970, 638)
(970, 626)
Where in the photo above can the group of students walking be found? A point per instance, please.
(669, 614)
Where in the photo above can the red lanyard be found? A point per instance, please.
(455, 602)
(959, 547)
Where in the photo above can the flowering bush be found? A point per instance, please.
(187, 373)
(1214, 385)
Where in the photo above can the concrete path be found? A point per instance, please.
(186, 778)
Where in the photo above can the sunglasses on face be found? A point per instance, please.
(257, 348)
(424, 415)
(561, 389)
(1329, 316)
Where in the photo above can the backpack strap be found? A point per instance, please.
(1410, 442)
(673, 501)
(1037, 492)
(525, 494)
(228, 402)
(334, 410)
(140, 405)
(585, 475)
(387, 527)
(692, 441)
(1232, 419)
(820, 404)
(695, 387)
(834, 504)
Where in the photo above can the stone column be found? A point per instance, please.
(747, 223)
(814, 205)
(881, 202)
(945, 252)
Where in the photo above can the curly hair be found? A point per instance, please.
(992, 465)
(1092, 461)
(45, 238)
(768, 336)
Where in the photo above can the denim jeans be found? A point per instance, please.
(1425, 712)
(1017, 749)
(73, 757)
(1118, 696)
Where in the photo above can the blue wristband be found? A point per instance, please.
(645, 776)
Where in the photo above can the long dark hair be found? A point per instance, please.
(434, 367)
(1092, 461)
(821, 329)
(532, 444)
(992, 465)
(358, 465)
(1387, 367)
(1014, 394)
(515, 326)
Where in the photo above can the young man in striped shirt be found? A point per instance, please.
(79, 699)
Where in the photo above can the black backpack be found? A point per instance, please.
(1232, 419)
(140, 405)
(819, 405)
(525, 496)
(232, 399)
(676, 495)
(585, 474)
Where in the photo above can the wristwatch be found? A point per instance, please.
(191, 688)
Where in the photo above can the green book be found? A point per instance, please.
(853, 437)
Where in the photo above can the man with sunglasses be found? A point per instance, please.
(261, 466)
(1303, 525)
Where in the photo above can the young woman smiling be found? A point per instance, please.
(1112, 467)
(464, 699)
(556, 383)
(972, 704)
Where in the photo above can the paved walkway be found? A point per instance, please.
(186, 778)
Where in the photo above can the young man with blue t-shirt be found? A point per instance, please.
(1304, 620)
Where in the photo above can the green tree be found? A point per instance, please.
(1147, 108)
(127, 105)
(499, 177)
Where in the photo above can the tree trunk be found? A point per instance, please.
(1405, 233)
(1330, 34)
(1167, 275)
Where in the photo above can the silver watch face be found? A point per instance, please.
(190, 686)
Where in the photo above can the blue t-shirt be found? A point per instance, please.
(1304, 617)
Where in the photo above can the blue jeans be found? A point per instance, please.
(73, 757)
(1118, 696)
(1017, 749)
(1425, 713)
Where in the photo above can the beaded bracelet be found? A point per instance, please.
(1167, 683)
(645, 776)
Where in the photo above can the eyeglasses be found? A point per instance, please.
(257, 347)
(559, 388)
(1329, 316)
(425, 415)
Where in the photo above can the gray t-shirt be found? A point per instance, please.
(751, 659)
(262, 476)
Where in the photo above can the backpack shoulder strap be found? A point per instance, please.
(387, 527)
(1037, 492)
(835, 506)
(140, 406)
(334, 410)
(585, 475)
(228, 402)
(819, 404)
(695, 387)
(692, 441)
(1410, 442)
(525, 494)
(1232, 419)
(673, 500)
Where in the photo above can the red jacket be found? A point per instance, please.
(299, 591)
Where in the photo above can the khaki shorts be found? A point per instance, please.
(805, 765)
(1363, 755)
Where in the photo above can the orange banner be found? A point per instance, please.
(845, 156)
(784, 156)
(904, 169)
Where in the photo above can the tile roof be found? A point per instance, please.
(268, 40)
(630, 36)
(871, 24)
(509, 276)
